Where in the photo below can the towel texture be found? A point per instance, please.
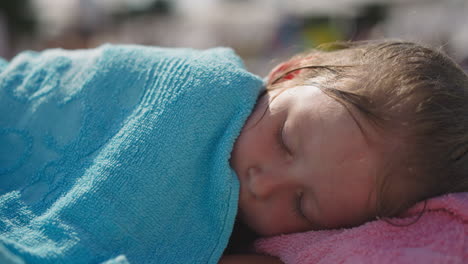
(120, 154)
(439, 236)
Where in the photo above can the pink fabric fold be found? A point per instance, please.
(439, 236)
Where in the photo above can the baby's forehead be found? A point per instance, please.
(332, 121)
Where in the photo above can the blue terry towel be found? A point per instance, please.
(120, 154)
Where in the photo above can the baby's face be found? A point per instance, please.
(304, 163)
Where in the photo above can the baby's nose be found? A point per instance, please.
(266, 183)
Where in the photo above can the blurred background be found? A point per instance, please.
(263, 32)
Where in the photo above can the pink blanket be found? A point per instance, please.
(439, 236)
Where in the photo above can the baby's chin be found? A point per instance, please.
(244, 220)
(242, 217)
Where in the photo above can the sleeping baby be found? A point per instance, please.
(346, 136)
(133, 154)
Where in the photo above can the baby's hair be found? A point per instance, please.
(415, 96)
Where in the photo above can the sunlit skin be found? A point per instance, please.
(304, 162)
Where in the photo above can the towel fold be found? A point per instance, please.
(439, 236)
(120, 154)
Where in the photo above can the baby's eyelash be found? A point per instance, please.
(297, 204)
(281, 139)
